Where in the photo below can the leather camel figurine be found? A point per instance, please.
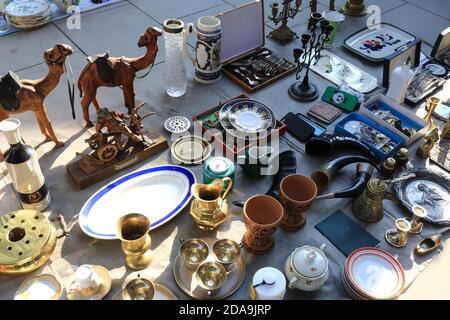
(20, 95)
(105, 71)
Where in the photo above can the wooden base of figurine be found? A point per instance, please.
(87, 170)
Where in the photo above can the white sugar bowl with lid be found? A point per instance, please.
(307, 268)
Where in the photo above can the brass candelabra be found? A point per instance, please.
(284, 34)
(312, 45)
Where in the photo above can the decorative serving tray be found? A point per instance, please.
(378, 42)
(159, 193)
(187, 282)
(338, 71)
(428, 189)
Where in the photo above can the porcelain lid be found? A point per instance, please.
(269, 275)
(309, 261)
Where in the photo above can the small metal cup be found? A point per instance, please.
(139, 289)
(194, 252)
(227, 252)
(418, 213)
(211, 276)
(399, 237)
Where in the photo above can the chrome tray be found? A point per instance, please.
(187, 282)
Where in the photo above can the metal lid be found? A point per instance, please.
(173, 26)
(219, 165)
(309, 261)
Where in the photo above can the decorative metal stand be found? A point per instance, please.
(312, 46)
(284, 34)
(354, 8)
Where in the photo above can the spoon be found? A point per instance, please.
(253, 75)
(251, 82)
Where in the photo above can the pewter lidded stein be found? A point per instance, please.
(24, 170)
(175, 72)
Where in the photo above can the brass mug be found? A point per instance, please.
(211, 276)
(227, 252)
(209, 196)
(193, 252)
(133, 231)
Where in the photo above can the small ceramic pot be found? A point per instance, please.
(307, 268)
(268, 284)
(297, 194)
(262, 217)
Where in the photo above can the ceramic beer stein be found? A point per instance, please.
(297, 194)
(207, 50)
(262, 217)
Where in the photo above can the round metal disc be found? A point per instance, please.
(23, 235)
(190, 149)
(177, 124)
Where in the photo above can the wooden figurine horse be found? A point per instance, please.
(20, 95)
(105, 71)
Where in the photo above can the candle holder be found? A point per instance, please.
(432, 103)
(356, 8)
(399, 237)
(419, 212)
(312, 45)
(284, 34)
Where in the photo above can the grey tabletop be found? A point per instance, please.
(78, 248)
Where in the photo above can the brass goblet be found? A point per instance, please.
(139, 289)
(211, 276)
(227, 252)
(193, 252)
(133, 231)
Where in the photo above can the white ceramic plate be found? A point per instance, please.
(159, 193)
(27, 8)
(375, 273)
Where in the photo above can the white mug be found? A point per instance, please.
(86, 277)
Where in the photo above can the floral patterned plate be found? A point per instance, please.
(378, 42)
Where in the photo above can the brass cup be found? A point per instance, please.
(133, 231)
(227, 252)
(211, 276)
(194, 252)
(419, 212)
(139, 289)
(399, 237)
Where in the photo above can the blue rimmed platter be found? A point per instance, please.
(159, 193)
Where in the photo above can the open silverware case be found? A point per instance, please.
(245, 59)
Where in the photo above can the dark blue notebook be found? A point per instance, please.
(345, 234)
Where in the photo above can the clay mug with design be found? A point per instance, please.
(297, 195)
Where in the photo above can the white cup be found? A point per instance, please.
(86, 277)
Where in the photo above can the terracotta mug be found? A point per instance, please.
(262, 217)
(297, 194)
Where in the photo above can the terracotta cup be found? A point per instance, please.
(297, 194)
(262, 217)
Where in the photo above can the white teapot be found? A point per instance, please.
(307, 268)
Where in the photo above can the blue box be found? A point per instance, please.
(339, 129)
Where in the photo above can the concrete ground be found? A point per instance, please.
(116, 28)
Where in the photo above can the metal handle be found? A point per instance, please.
(230, 184)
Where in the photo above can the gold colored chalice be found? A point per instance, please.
(211, 276)
(139, 289)
(133, 232)
(227, 252)
(193, 252)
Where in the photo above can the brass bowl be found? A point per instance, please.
(227, 252)
(211, 276)
(139, 289)
(194, 252)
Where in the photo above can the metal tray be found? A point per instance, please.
(187, 282)
(428, 189)
(385, 39)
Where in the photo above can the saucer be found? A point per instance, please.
(42, 287)
(103, 290)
